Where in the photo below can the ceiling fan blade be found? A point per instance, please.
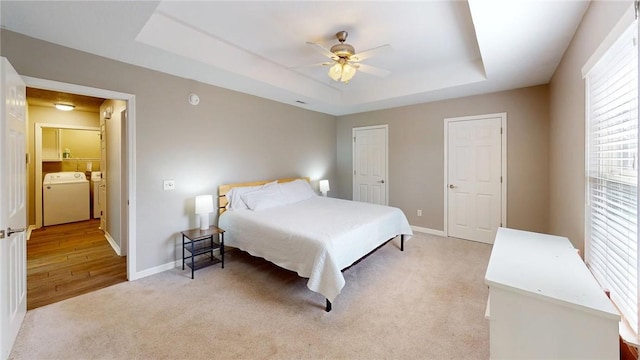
(309, 65)
(373, 70)
(322, 50)
(371, 52)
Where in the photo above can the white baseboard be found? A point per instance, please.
(158, 269)
(168, 266)
(113, 243)
(427, 230)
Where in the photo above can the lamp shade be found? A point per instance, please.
(204, 204)
(324, 186)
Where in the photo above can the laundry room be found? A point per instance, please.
(64, 156)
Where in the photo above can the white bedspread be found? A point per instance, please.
(316, 238)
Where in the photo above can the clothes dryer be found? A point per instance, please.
(96, 178)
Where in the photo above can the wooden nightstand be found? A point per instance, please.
(200, 244)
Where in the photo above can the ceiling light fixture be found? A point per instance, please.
(64, 107)
(342, 71)
(345, 62)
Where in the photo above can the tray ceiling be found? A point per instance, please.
(439, 49)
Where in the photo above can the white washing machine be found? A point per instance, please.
(65, 198)
(95, 193)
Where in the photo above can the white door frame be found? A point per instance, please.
(386, 158)
(503, 160)
(37, 141)
(130, 147)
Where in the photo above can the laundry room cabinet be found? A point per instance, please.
(51, 145)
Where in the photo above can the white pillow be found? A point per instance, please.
(267, 197)
(234, 196)
(296, 191)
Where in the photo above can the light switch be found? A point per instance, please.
(168, 185)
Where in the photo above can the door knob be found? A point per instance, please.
(451, 186)
(13, 231)
(381, 181)
(10, 231)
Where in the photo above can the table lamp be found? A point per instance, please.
(204, 206)
(324, 187)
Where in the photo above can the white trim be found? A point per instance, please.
(172, 265)
(132, 274)
(427, 230)
(445, 213)
(160, 268)
(503, 159)
(621, 26)
(113, 243)
(386, 159)
(585, 187)
(74, 88)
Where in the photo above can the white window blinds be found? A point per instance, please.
(612, 173)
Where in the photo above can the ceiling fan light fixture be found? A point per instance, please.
(335, 72)
(348, 71)
(345, 62)
(342, 71)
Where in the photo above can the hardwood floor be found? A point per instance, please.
(67, 260)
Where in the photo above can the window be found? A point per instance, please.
(612, 173)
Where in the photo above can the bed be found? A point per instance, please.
(286, 223)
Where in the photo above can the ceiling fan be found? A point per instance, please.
(345, 61)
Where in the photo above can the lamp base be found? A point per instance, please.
(204, 221)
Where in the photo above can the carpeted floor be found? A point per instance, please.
(427, 302)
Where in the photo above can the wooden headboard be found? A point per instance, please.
(224, 189)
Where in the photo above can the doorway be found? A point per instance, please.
(127, 210)
(475, 176)
(370, 163)
(72, 254)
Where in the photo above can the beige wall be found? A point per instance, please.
(416, 154)
(228, 137)
(567, 124)
(45, 115)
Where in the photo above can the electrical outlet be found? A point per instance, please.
(419, 212)
(168, 185)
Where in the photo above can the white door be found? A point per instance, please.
(13, 180)
(474, 177)
(370, 164)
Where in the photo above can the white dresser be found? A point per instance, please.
(544, 303)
